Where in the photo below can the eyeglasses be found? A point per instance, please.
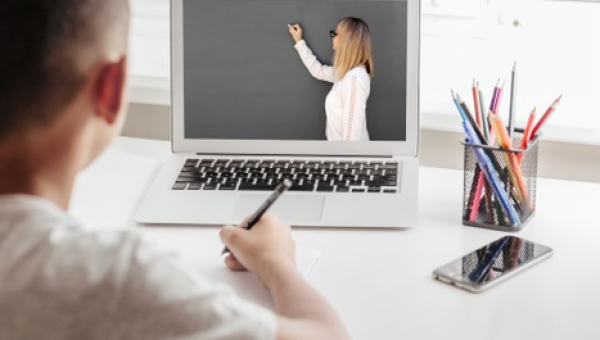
(333, 33)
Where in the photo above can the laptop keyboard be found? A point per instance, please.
(306, 175)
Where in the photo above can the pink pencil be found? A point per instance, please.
(477, 198)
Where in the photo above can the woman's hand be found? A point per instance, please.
(296, 32)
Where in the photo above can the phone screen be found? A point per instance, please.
(492, 262)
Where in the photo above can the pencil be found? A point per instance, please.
(526, 134)
(484, 123)
(469, 117)
(498, 98)
(476, 104)
(457, 103)
(491, 175)
(511, 112)
(516, 174)
(544, 118)
(495, 96)
(478, 180)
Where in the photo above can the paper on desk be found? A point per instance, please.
(204, 256)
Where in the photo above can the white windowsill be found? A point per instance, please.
(453, 50)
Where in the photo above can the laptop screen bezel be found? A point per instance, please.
(410, 147)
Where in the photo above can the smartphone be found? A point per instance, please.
(491, 264)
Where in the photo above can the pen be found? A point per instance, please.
(280, 189)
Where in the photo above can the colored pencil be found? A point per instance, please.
(467, 114)
(495, 96)
(484, 125)
(516, 173)
(467, 117)
(498, 98)
(511, 112)
(491, 175)
(457, 103)
(526, 134)
(476, 195)
(544, 118)
(476, 104)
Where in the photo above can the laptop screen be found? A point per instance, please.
(244, 80)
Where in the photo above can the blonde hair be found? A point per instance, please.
(354, 48)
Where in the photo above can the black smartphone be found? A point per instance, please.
(492, 263)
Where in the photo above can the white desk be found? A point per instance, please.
(380, 281)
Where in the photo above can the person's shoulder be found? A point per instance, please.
(360, 74)
(91, 257)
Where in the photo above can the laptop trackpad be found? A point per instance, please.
(287, 208)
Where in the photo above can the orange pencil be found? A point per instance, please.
(544, 118)
(516, 174)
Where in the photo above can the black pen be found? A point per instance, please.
(280, 189)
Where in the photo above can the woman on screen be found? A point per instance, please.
(351, 73)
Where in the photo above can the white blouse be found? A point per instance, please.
(346, 103)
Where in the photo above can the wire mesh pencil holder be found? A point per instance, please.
(500, 185)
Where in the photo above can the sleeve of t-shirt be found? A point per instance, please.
(316, 69)
(355, 106)
(160, 297)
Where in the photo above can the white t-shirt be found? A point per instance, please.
(346, 103)
(59, 282)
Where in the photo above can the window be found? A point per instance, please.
(555, 44)
(150, 52)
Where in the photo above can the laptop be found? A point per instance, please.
(246, 114)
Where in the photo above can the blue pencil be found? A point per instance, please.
(457, 103)
(491, 175)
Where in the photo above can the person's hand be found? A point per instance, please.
(296, 32)
(261, 249)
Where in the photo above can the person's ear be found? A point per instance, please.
(109, 90)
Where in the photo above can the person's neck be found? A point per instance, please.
(38, 165)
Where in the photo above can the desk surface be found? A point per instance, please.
(380, 281)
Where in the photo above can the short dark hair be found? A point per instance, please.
(42, 41)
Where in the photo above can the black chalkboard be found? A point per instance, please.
(244, 80)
